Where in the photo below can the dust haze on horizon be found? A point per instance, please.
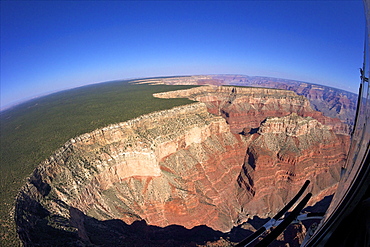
(48, 46)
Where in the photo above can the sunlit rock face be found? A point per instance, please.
(243, 152)
(286, 151)
(248, 107)
(333, 102)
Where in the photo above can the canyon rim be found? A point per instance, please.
(235, 154)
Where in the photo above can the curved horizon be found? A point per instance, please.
(23, 101)
(53, 46)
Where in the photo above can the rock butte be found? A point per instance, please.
(237, 153)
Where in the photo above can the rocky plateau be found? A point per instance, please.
(195, 170)
(332, 102)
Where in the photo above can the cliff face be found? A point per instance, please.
(184, 166)
(292, 138)
(173, 167)
(246, 108)
(332, 102)
(288, 150)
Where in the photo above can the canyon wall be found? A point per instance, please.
(288, 138)
(246, 108)
(332, 102)
(286, 151)
(170, 167)
(238, 153)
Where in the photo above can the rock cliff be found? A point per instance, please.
(243, 152)
(246, 108)
(171, 167)
(332, 102)
(287, 150)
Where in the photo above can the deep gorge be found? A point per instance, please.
(208, 166)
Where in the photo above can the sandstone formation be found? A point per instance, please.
(206, 166)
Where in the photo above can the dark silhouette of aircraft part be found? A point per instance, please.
(285, 223)
(276, 221)
(347, 220)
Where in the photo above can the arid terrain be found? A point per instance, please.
(332, 102)
(190, 175)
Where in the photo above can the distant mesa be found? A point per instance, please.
(248, 107)
(332, 102)
(236, 154)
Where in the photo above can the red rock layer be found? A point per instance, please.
(189, 167)
(332, 102)
(173, 167)
(246, 108)
(286, 152)
(196, 186)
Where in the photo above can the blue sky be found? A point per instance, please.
(47, 46)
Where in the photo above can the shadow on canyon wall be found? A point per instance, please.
(320, 206)
(38, 227)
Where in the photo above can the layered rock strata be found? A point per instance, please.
(208, 163)
(286, 151)
(248, 107)
(333, 102)
(171, 167)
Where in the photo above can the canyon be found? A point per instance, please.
(247, 107)
(332, 102)
(200, 169)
